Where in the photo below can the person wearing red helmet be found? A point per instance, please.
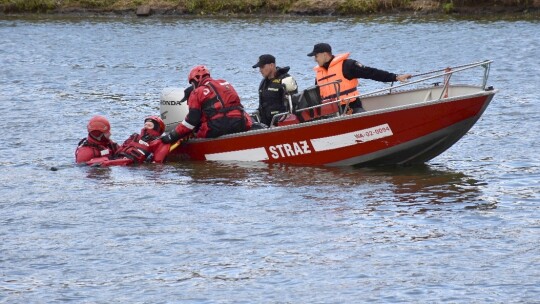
(214, 109)
(98, 142)
(139, 147)
(142, 147)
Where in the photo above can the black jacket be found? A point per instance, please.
(272, 96)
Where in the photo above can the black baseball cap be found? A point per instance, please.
(265, 59)
(320, 48)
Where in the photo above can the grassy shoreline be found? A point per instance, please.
(298, 7)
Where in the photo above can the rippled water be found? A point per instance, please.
(464, 228)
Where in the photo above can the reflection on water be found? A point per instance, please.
(408, 187)
(413, 189)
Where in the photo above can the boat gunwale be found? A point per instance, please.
(482, 92)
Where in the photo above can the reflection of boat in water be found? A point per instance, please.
(400, 126)
(416, 189)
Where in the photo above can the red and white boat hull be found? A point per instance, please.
(396, 129)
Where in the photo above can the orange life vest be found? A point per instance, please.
(347, 88)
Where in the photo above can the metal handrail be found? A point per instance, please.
(469, 65)
(485, 64)
(337, 89)
(276, 116)
(447, 73)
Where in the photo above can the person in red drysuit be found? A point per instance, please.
(214, 109)
(139, 147)
(98, 142)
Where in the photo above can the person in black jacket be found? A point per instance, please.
(274, 88)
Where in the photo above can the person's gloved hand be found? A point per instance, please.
(171, 137)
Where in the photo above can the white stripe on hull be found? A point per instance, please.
(351, 138)
(255, 154)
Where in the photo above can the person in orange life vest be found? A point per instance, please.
(331, 68)
(98, 142)
(214, 109)
(144, 147)
(274, 88)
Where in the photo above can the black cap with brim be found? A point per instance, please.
(265, 59)
(320, 48)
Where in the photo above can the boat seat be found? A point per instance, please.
(258, 125)
(311, 97)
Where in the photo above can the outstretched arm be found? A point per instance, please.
(354, 69)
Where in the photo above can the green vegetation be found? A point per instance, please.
(370, 6)
(28, 5)
(309, 7)
(448, 7)
(213, 6)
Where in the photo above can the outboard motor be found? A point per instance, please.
(172, 107)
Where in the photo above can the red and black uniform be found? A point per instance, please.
(214, 110)
(140, 147)
(90, 147)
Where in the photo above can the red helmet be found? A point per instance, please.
(99, 123)
(159, 125)
(198, 73)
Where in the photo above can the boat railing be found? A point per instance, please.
(446, 73)
(343, 103)
(310, 100)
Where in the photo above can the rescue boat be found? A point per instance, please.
(409, 123)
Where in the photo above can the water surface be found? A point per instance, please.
(464, 228)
